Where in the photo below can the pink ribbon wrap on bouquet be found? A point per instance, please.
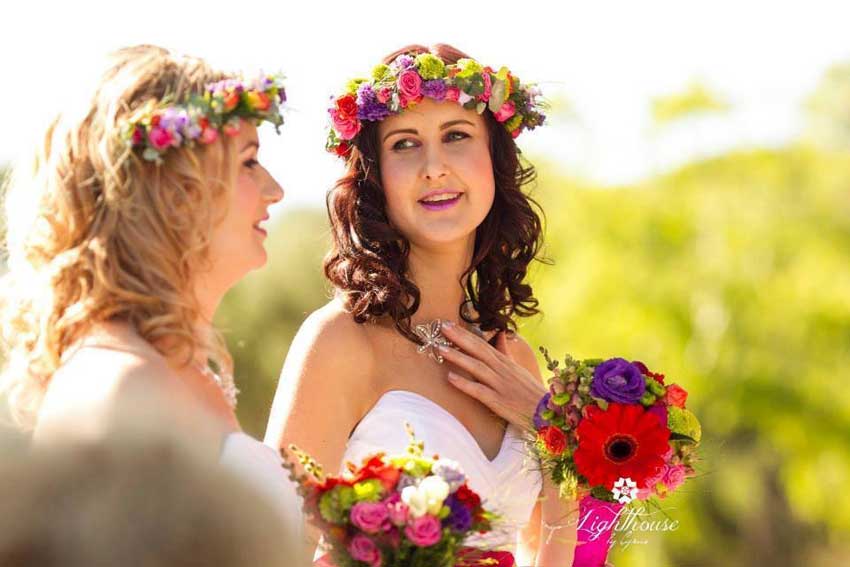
(597, 520)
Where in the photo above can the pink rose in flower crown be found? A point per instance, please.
(383, 95)
(160, 138)
(507, 110)
(488, 86)
(424, 531)
(409, 87)
(346, 126)
(364, 549)
(452, 94)
(371, 517)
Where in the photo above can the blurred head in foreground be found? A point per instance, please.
(136, 498)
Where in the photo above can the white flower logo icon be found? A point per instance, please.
(625, 490)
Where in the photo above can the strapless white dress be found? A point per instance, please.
(260, 466)
(509, 485)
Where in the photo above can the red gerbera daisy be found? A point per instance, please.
(622, 441)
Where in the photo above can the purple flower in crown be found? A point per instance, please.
(401, 62)
(368, 105)
(192, 131)
(264, 83)
(435, 89)
(175, 121)
(174, 118)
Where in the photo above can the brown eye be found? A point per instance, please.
(250, 163)
(455, 135)
(403, 144)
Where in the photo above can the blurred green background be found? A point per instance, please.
(730, 274)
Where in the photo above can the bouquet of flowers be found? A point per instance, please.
(616, 430)
(406, 510)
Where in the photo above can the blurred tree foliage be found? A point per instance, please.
(695, 99)
(828, 114)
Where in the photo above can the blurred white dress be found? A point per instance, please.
(260, 466)
(509, 485)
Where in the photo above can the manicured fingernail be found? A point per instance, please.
(453, 377)
(447, 324)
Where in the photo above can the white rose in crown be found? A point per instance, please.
(427, 497)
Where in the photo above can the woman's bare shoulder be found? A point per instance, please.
(325, 384)
(104, 373)
(332, 335)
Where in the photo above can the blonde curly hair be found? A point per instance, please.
(97, 233)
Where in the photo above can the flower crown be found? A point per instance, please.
(157, 126)
(408, 79)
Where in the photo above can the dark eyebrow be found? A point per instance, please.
(443, 126)
(250, 143)
(404, 131)
(451, 123)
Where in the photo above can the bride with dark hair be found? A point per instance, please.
(432, 239)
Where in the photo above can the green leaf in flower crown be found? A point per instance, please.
(683, 423)
(473, 86)
(151, 154)
(497, 96)
(480, 107)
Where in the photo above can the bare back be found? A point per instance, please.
(113, 377)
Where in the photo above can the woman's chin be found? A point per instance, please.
(443, 238)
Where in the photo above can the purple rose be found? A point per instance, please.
(371, 517)
(539, 422)
(618, 380)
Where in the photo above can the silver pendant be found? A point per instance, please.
(432, 339)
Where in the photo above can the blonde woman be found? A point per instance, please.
(145, 205)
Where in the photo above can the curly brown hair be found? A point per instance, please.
(368, 260)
